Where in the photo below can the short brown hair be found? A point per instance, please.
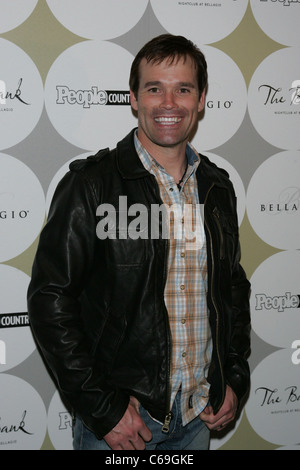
(168, 46)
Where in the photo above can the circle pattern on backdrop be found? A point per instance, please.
(195, 19)
(23, 415)
(275, 301)
(14, 13)
(21, 103)
(271, 16)
(59, 424)
(272, 408)
(273, 200)
(21, 95)
(98, 19)
(87, 100)
(274, 99)
(14, 323)
(226, 101)
(236, 181)
(22, 209)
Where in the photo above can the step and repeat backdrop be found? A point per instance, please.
(64, 67)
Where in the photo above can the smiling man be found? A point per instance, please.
(146, 336)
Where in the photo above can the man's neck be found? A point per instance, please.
(172, 159)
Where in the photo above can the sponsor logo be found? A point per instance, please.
(274, 96)
(295, 89)
(278, 302)
(2, 92)
(200, 4)
(13, 94)
(65, 420)
(92, 97)
(288, 202)
(272, 396)
(214, 104)
(13, 214)
(13, 320)
(285, 3)
(10, 429)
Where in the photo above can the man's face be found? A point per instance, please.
(167, 103)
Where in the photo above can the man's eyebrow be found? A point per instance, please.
(157, 82)
(154, 83)
(187, 84)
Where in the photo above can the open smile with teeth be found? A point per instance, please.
(168, 121)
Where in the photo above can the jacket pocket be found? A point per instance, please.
(126, 238)
(227, 231)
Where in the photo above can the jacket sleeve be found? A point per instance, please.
(62, 263)
(237, 371)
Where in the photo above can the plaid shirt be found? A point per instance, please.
(186, 287)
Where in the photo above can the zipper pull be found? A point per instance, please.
(166, 425)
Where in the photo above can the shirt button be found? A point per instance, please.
(171, 189)
(183, 321)
(183, 354)
(182, 287)
(182, 255)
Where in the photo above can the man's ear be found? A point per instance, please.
(133, 101)
(201, 101)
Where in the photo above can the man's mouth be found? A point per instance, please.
(168, 121)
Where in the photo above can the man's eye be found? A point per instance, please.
(154, 90)
(184, 90)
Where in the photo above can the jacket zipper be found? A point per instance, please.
(166, 425)
(211, 289)
(216, 214)
(168, 416)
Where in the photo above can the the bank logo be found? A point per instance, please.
(12, 94)
(295, 89)
(92, 97)
(23, 417)
(21, 94)
(273, 402)
(2, 92)
(276, 96)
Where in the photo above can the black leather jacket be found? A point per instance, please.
(97, 307)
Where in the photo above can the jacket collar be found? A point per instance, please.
(128, 161)
(131, 167)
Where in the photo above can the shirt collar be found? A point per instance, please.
(148, 161)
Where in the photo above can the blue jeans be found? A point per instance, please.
(193, 436)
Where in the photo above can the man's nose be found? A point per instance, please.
(168, 100)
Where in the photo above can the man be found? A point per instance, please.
(146, 334)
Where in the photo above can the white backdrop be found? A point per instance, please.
(64, 67)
